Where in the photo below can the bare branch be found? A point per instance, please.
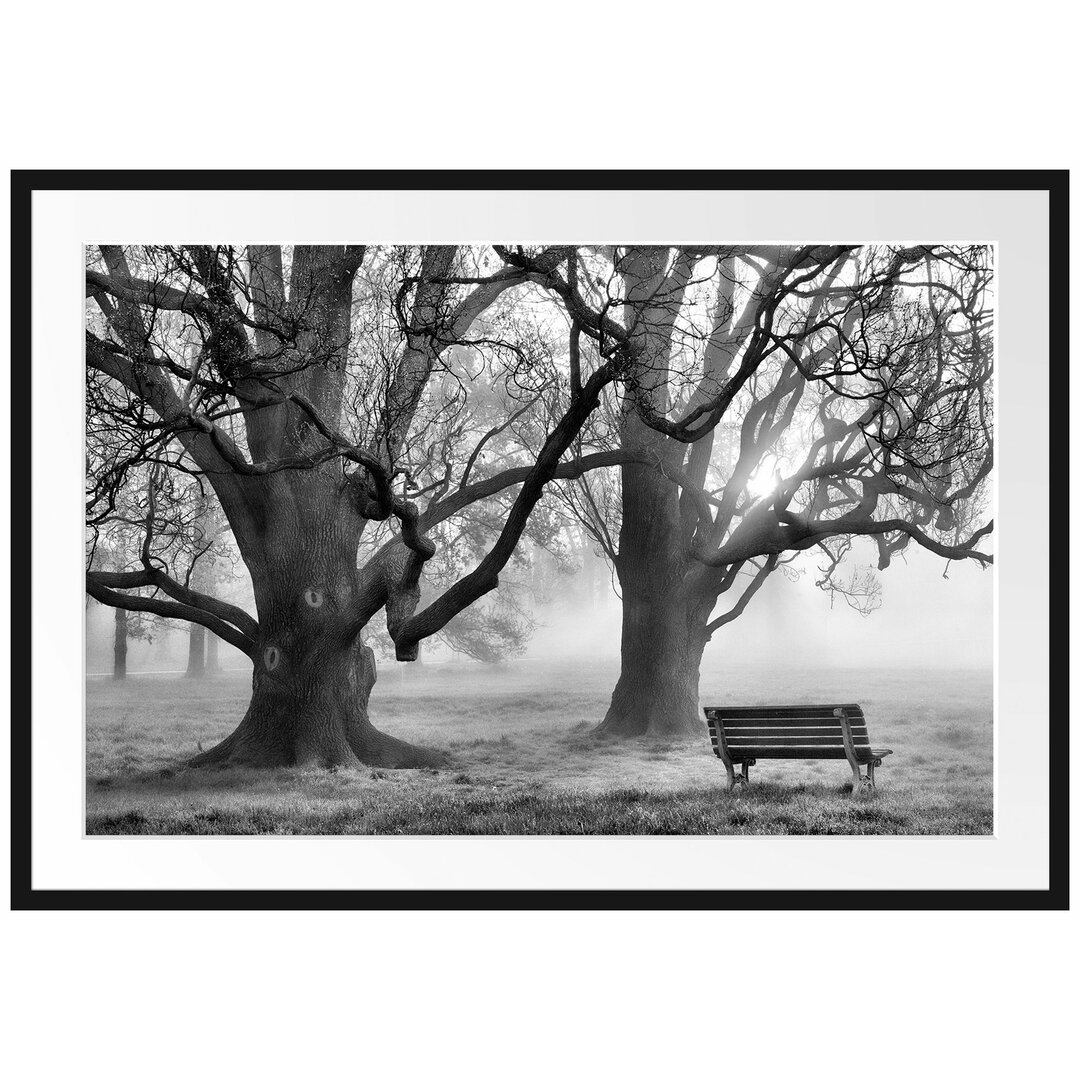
(170, 610)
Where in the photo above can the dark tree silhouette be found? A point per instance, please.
(120, 644)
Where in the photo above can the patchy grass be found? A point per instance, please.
(524, 759)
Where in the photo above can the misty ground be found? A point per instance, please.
(524, 760)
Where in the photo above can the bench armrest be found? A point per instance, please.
(849, 742)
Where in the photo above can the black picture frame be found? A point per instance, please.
(24, 897)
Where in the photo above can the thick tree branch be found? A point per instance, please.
(158, 579)
(149, 294)
(765, 532)
(171, 610)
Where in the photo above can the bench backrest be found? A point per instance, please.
(785, 731)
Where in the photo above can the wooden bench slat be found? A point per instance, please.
(798, 729)
(734, 711)
(809, 751)
(805, 741)
(821, 753)
(816, 753)
(787, 721)
(810, 736)
(790, 729)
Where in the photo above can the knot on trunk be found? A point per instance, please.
(370, 498)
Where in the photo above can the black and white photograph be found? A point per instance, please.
(569, 538)
(535, 540)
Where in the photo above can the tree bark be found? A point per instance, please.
(665, 612)
(316, 717)
(196, 644)
(311, 680)
(663, 622)
(120, 644)
(662, 643)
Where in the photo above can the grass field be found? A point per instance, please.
(523, 759)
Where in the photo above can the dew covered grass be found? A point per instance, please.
(523, 759)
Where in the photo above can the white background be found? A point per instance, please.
(1015, 857)
(500, 85)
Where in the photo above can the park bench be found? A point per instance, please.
(742, 735)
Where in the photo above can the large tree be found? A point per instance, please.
(296, 384)
(783, 401)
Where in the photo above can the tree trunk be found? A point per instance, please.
(657, 691)
(213, 660)
(311, 683)
(662, 623)
(120, 644)
(196, 645)
(661, 649)
(318, 719)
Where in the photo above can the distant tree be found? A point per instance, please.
(210, 571)
(120, 644)
(116, 549)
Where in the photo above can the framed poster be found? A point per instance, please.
(393, 531)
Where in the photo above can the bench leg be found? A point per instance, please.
(862, 783)
(857, 776)
(740, 779)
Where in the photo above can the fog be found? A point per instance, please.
(925, 620)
